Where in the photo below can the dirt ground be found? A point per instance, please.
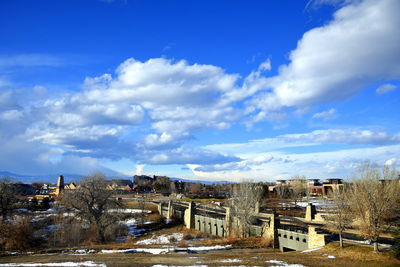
(232, 257)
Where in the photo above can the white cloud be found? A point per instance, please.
(30, 60)
(12, 114)
(147, 111)
(344, 136)
(385, 88)
(326, 115)
(317, 137)
(335, 61)
(139, 169)
(339, 163)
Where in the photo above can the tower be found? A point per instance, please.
(60, 185)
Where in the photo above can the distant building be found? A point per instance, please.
(60, 185)
(331, 185)
(119, 184)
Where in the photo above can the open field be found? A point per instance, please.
(237, 252)
(233, 257)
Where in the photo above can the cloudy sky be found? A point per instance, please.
(217, 90)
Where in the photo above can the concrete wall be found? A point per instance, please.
(316, 239)
(292, 240)
(220, 226)
(210, 225)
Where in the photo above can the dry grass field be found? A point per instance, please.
(243, 252)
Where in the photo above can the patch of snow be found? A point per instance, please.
(231, 260)
(331, 257)
(130, 211)
(163, 239)
(162, 250)
(276, 262)
(131, 221)
(135, 250)
(161, 265)
(284, 264)
(209, 248)
(84, 251)
(311, 250)
(83, 263)
(366, 242)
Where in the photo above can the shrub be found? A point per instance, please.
(396, 245)
(116, 230)
(17, 235)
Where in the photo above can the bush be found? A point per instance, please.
(396, 245)
(69, 234)
(17, 235)
(116, 230)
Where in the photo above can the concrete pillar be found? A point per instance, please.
(170, 212)
(310, 212)
(315, 240)
(189, 216)
(227, 221)
(60, 185)
(159, 208)
(271, 230)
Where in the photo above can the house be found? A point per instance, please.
(119, 184)
(331, 185)
(314, 187)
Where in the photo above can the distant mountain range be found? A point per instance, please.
(198, 181)
(49, 178)
(52, 178)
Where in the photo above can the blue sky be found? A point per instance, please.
(217, 90)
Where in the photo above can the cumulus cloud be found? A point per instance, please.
(276, 156)
(338, 163)
(385, 88)
(105, 120)
(335, 61)
(341, 136)
(326, 115)
(188, 155)
(147, 111)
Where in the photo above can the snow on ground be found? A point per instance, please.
(162, 265)
(231, 260)
(311, 250)
(331, 257)
(82, 251)
(130, 211)
(217, 247)
(131, 221)
(315, 202)
(284, 264)
(366, 242)
(135, 250)
(74, 264)
(163, 250)
(162, 239)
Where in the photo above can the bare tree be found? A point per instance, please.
(8, 198)
(373, 200)
(92, 202)
(298, 187)
(244, 199)
(340, 216)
